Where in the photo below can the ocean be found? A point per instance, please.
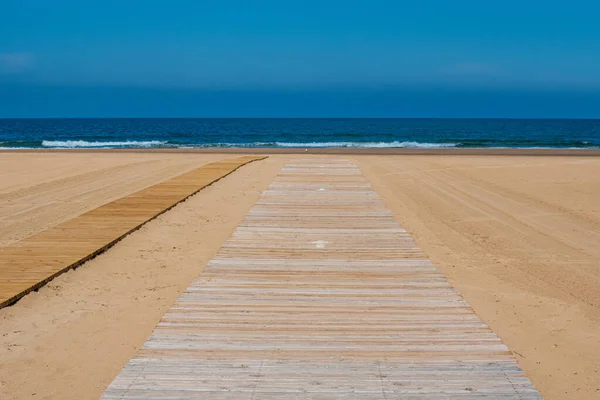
(303, 133)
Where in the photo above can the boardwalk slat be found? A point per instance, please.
(32, 262)
(320, 294)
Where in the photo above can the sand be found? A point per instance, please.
(41, 190)
(519, 236)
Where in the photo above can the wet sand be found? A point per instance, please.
(518, 236)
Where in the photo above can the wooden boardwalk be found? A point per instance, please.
(32, 262)
(320, 294)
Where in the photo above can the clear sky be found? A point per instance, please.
(435, 58)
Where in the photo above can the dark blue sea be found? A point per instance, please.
(373, 133)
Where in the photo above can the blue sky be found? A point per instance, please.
(354, 58)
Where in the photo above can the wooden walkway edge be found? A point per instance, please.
(34, 261)
(320, 294)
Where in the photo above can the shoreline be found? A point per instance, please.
(331, 150)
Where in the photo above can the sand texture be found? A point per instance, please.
(518, 236)
(41, 190)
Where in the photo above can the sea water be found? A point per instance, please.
(303, 133)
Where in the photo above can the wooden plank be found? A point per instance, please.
(320, 294)
(32, 262)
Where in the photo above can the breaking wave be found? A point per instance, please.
(85, 144)
(371, 145)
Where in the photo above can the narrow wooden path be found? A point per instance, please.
(32, 262)
(320, 294)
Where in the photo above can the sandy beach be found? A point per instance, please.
(517, 233)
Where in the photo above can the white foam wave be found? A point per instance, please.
(226, 145)
(83, 143)
(157, 143)
(378, 145)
